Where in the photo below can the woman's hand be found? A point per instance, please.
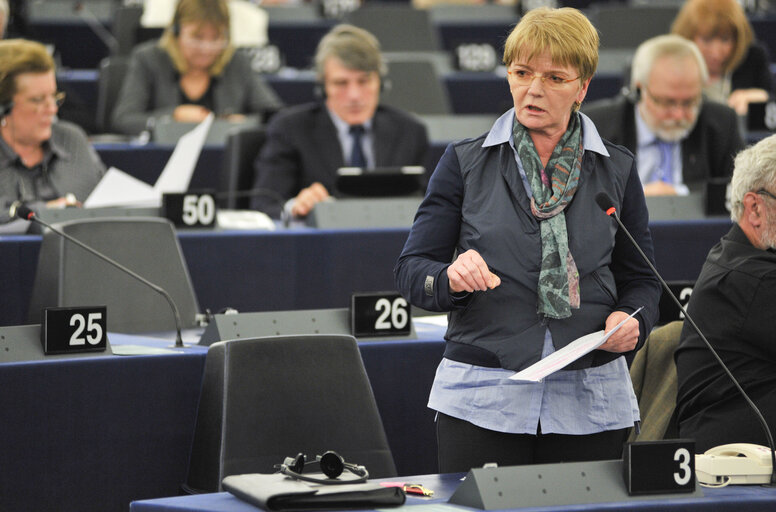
(740, 99)
(307, 198)
(190, 113)
(626, 337)
(469, 273)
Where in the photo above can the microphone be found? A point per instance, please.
(23, 211)
(607, 205)
(96, 26)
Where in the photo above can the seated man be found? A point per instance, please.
(733, 305)
(680, 140)
(306, 144)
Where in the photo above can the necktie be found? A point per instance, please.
(665, 172)
(357, 158)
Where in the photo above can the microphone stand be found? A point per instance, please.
(27, 214)
(612, 212)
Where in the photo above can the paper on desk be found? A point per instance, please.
(118, 188)
(177, 173)
(567, 355)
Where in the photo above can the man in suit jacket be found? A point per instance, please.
(306, 144)
(680, 141)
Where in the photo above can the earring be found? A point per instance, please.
(575, 106)
(3, 122)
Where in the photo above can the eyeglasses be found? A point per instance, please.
(670, 103)
(205, 44)
(39, 102)
(764, 192)
(523, 77)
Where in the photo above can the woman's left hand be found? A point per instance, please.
(626, 337)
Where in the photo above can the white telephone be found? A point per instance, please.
(738, 463)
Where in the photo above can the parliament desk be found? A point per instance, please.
(96, 432)
(727, 499)
(306, 268)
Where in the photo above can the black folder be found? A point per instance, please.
(278, 492)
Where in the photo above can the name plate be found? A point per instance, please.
(379, 314)
(74, 329)
(659, 467)
(190, 210)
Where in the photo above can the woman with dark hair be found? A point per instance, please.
(191, 71)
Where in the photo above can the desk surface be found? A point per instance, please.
(750, 498)
(96, 432)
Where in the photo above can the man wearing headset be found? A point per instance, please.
(306, 144)
(680, 141)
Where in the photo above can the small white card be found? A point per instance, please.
(567, 355)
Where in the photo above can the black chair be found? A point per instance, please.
(240, 151)
(112, 73)
(399, 28)
(67, 275)
(414, 86)
(265, 399)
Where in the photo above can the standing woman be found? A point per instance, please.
(43, 161)
(509, 239)
(738, 65)
(191, 71)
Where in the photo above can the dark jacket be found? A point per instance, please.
(707, 152)
(151, 90)
(302, 148)
(753, 71)
(476, 200)
(733, 304)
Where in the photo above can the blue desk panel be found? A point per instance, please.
(729, 499)
(93, 434)
(314, 269)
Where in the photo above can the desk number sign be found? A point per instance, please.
(190, 210)
(379, 314)
(659, 467)
(74, 329)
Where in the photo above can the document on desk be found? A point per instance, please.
(176, 176)
(118, 188)
(567, 355)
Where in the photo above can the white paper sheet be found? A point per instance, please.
(177, 173)
(118, 188)
(567, 355)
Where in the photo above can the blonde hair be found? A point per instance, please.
(565, 33)
(214, 12)
(713, 18)
(18, 56)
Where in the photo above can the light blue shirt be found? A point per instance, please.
(648, 156)
(574, 402)
(346, 140)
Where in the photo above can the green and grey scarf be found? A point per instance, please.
(553, 189)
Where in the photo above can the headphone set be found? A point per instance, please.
(5, 109)
(332, 465)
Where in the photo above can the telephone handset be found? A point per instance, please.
(737, 463)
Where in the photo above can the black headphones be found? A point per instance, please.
(6, 108)
(332, 465)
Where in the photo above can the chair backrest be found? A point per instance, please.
(399, 28)
(126, 24)
(67, 275)
(414, 86)
(112, 73)
(240, 152)
(653, 373)
(265, 399)
(627, 26)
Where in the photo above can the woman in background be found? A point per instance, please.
(43, 161)
(738, 65)
(191, 71)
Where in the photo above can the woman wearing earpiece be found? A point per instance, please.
(42, 160)
(191, 71)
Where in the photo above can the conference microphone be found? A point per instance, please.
(23, 211)
(96, 26)
(607, 205)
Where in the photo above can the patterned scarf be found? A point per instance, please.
(558, 287)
